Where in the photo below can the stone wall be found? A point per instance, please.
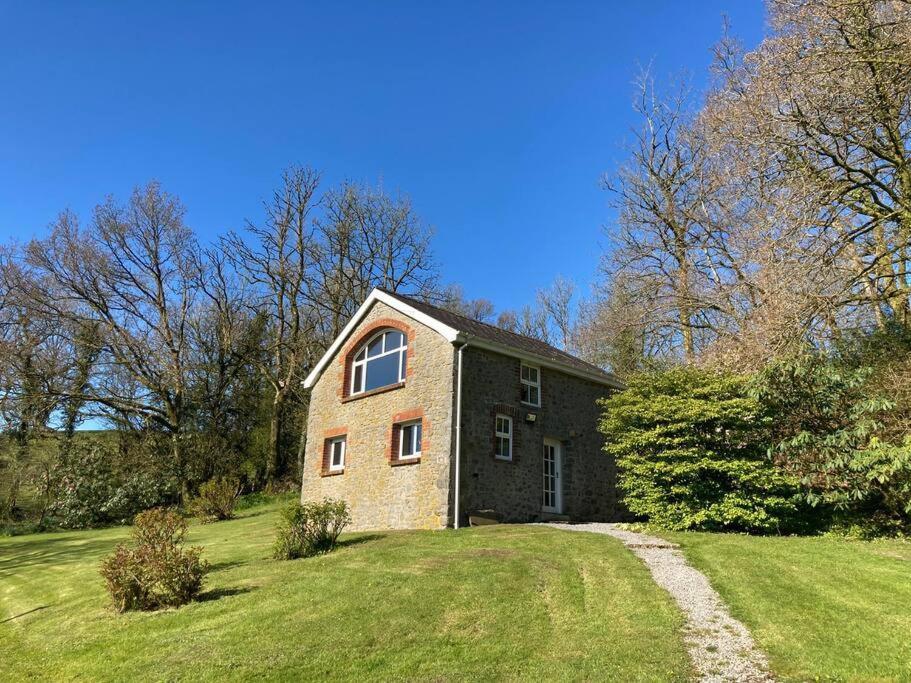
(382, 492)
(568, 413)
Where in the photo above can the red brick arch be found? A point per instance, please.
(346, 357)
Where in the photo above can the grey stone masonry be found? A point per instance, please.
(569, 413)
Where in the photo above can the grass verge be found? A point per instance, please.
(823, 608)
(502, 602)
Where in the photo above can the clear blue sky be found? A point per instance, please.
(498, 119)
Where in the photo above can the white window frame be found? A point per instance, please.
(402, 426)
(529, 383)
(344, 441)
(401, 350)
(502, 435)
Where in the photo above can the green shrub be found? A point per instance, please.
(85, 484)
(216, 500)
(89, 493)
(310, 529)
(691, 453)
(157, 572)
(841, 432)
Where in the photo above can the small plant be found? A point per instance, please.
(216, 500)
(157, 572)
(310, 528)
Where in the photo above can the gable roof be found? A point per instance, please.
(458, 329)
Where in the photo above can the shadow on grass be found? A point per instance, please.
(248, 513)
(227, 564)
(218, 593)
(17, 556)
(36, 609)
(357, 540)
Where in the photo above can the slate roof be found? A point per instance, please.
(501, 337)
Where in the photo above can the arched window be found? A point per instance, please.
(380, 362)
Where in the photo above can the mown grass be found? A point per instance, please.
(822, 608)
(506, 602)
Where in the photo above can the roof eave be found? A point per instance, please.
(513, 352)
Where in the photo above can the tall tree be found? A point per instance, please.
(822, 107)
(130, 277)
(276, 260)
(658, 197)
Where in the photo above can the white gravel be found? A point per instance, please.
(720, 647)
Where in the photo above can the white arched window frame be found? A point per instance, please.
(380, 362)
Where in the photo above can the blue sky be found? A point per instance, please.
(496, 118)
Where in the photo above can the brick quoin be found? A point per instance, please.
(346, 357)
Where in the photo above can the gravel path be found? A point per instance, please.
(720, 646)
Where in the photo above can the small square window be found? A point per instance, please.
(337, 454)
(503, 438)
(410, 440)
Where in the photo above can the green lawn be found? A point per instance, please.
(822, 608)
(505, 602)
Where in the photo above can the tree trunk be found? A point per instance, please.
(273, 466)
(302, 441)
(683, 295)
(177, 453)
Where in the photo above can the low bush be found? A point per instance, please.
(157, 572)
(216, 500)
(691, 451)
(310, 528)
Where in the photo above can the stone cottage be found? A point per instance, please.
(419, 416)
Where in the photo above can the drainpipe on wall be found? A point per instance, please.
(458, 438)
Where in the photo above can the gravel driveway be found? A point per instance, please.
(720, 647)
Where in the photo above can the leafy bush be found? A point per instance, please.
(310, 528)
(216, 500)
(158, 571)
(840, 433)
(89, 493)
(690, 447)
(85, 484)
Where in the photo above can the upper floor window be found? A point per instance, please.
(380, 362)
(531, 385)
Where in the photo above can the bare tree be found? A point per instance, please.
(658, 194)
(821, 107)
(131, 279)
(365, 239)
(276, 260)
(453, 298)
(556, 302)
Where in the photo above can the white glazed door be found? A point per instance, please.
(553, 493)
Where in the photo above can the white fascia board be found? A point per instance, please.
(541, 361)
(450, 334)
(447, 332)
